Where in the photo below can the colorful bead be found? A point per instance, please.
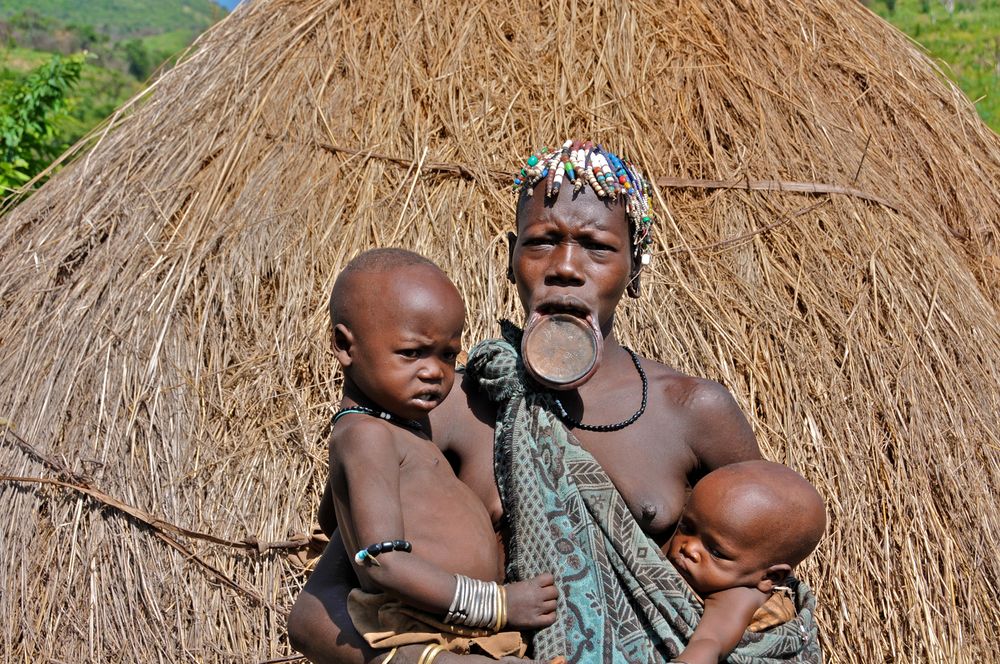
(609, 175)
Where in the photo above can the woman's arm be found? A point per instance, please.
(318, 625)
(721, 434)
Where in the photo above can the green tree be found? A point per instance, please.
(140, 64)
(30, 108)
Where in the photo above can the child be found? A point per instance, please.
(744, 528)
(422, 537)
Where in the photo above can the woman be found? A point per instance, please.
(652, 430)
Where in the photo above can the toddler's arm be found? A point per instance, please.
(365, 467)
(727, 615)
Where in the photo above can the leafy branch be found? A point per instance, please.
(30, 109)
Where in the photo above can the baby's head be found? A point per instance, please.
(397, 331)
(747, 524)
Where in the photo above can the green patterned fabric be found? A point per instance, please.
(619, 599)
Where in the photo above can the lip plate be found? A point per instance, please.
(560, 351)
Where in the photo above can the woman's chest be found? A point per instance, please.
(649, 469)
(654, 492)
(652, 478)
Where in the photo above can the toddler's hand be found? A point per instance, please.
(531, 604)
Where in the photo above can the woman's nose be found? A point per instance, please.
(565, 265)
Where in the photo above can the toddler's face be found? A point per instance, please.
(404, 354)
(713, 552)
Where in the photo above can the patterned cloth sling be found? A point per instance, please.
(619, 599)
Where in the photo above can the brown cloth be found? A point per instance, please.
(777, 610)
(388, 623)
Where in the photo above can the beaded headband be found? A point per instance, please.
(603, 171)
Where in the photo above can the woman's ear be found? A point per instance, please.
(634, 286)
(774, 575)
(511, 242)
(343, 344)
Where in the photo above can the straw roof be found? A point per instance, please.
(164, 344)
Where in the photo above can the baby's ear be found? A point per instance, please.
(343, 344)
(774, 575)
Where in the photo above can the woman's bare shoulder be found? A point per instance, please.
(465, 416)
(718, 430)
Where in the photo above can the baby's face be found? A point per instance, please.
(714, 551)
(405, 350)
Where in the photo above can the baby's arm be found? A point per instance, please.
(365, 475)
(727, 615)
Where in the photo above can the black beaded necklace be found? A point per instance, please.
(381, 414)
(618, 426)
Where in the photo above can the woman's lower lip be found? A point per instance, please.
(550, 310)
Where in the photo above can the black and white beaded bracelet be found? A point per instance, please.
(372, 550)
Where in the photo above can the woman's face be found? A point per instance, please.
(572, 255)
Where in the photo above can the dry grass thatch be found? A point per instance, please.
(163, 340)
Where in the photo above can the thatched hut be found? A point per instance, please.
(828, 251)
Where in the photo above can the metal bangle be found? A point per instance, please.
(429, 653)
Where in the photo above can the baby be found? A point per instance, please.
(743, 530)
(423, 538)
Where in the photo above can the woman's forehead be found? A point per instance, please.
(581, 208)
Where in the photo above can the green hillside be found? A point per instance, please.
(65, 65)
(964, 42)
(124, 18)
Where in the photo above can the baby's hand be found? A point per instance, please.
(700, 652)
(531, 604)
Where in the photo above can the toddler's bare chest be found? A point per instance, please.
(422, 461)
